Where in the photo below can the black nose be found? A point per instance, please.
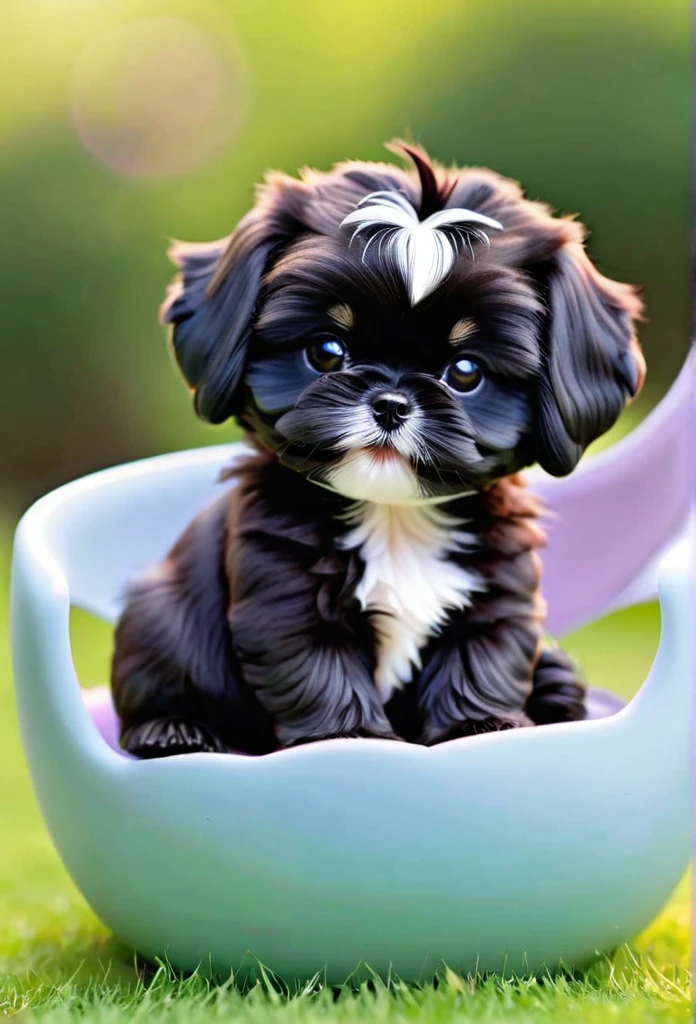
(390, 409)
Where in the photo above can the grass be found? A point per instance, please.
(59, 964)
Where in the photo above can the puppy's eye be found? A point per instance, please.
(464, 376)
(326, 356)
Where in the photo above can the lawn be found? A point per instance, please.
(58, 963)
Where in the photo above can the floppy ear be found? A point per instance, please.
(591, 362)
(210, 307)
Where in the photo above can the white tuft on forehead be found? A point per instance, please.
(425, 251)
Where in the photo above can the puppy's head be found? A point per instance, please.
(405, 335)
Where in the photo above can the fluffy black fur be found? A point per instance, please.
(250, 634)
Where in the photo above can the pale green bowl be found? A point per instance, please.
(513, 850)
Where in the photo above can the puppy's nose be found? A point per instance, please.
(390, 409)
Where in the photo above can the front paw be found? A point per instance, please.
(164, 737)
(431, 735)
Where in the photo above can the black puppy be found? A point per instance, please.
(397, 346)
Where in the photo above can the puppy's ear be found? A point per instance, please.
(211, 305)
(591, 361)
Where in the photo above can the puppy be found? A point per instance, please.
(397, 346)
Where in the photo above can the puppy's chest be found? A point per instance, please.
(410, 582)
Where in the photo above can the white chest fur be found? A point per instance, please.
(409, 581)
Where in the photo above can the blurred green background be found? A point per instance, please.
(127, 122)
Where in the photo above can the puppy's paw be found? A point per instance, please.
(163, 737)
(473, 727)
(301, 741)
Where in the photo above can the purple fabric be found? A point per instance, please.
(600, 704)
(100, 706)
(617, 511)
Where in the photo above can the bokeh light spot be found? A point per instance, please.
(158, 97)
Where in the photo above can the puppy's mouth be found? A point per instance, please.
(374, 473)
(382, 454)
(348, 451)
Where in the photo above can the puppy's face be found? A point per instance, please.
(382, 400)
(405, 338)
